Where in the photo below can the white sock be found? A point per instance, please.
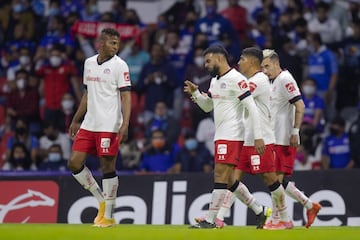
(299, 196)
(278, 198)
(86, 179)
(217, 197)
(228, 201)
(243, 194)
(110, 187)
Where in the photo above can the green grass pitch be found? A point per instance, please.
(169, 232)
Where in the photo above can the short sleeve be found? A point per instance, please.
(124, 76)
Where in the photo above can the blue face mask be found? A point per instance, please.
(191, 144)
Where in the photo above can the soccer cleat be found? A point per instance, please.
(104, 222)
(219, 223)
(281, 225)
(312, 213)
(199, 219)
(263, 217)
(100, 214)
(203, 224)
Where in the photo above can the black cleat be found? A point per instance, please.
(262, 217)
(203, 224)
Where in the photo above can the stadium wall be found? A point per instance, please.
(170, 199)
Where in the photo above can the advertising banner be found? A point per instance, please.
(172, 199)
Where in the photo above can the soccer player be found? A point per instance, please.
(250, 161)
(287, 110)
(106, 104)
(228, 94)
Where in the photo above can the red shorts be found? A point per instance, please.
(284, 159)
(252, 162)
(96, 143)
(227, 152)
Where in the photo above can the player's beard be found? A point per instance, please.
(214, 71)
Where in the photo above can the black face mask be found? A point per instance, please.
(334, 131)
(20, 131)
(52, 137)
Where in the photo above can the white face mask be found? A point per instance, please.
(54, 157)
(55, 61)
(20, 83)
(67, 104)
(24, 60)
(309, 90)
(199, 61)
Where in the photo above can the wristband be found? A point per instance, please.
(295, 131)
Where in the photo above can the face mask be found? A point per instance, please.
(20, 83)
(93, 8)
(55, 61)
(158, 143)
(334, 131)
(211, 10)
(18, 8)
(199, 61)
(20, 130)
(54, 157)
(191, 144)
(309, 90)
(24, 60)
(53, 11)
(67, 104)
(19, 161)
(52, 137)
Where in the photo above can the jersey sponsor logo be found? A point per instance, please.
(222, 149)
(223, 85)
(290, 87)
(107, 71)
(252, 86)
(126, 76)
(243, 84)
(23, 201)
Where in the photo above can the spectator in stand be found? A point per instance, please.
(23, 100)
(314, 105)
(260, 34)
(67, 113)
(69, 6)
(19, 158)
(348, 86)
(177, 12)
(336, 147)
(187, 30)
(118, 10)
(328, 28)
(55, 160)
(90, 11)
(339, 14)
(205, 133)
(157, 81)
(323, 67)
(237, 15)
(58, 77)
(213, 25)
(24, 62)
(196, 73)
(269, 9)
(164, 122)
(52, 135)
(354, 137)
(160, 157)
(22, 135)
(193, 157)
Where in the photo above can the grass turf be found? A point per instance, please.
(169, 232)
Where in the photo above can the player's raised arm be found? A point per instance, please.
(203, 100)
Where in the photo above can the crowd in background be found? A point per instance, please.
(41, 62)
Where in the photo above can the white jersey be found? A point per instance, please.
(284, 92)
(104, 82)
(226, 93)
(260, 90)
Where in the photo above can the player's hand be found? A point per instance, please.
(73, 129)
(123, 133)
(259, 146)
(190, 87)
(294, 140)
